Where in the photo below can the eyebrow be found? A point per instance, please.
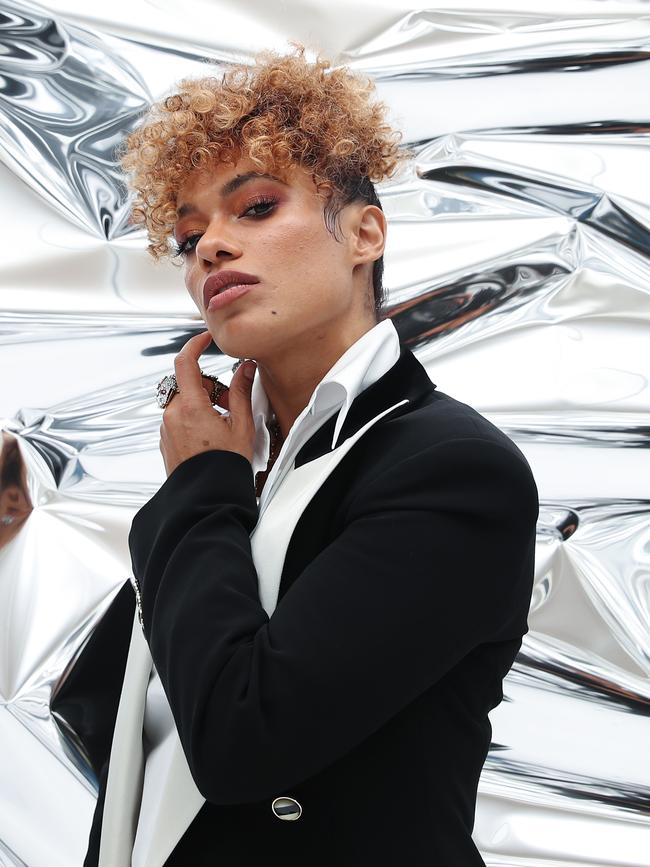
(228, 188)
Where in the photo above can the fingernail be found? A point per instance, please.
(249, 369)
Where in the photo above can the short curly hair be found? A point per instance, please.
(281, 111)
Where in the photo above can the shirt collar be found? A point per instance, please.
(361, 364)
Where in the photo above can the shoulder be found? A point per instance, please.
(444, 447)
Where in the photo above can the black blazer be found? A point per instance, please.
(403, 601)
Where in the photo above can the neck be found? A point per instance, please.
(290, 379)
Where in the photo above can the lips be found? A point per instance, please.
(214, 284)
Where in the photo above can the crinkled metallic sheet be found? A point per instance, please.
(518, 262)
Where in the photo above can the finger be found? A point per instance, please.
(186, 364)
(240, 394)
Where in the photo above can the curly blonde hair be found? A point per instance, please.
(281, 111)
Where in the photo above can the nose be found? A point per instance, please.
(216, 244)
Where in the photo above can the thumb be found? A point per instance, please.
(239, 393)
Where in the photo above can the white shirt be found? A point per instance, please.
(365, 361)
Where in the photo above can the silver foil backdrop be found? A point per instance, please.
(518, 263)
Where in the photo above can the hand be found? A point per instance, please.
(190, 425)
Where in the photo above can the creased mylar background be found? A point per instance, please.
(518, 263)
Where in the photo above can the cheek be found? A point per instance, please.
(286, 241)
(191, 280)
(297, 255)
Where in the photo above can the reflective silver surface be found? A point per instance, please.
(519, 272)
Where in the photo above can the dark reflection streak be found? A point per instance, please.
(593, 209)
(587, 686)
(437, 312)
(176, 343)
(561, 64)
(573, 787)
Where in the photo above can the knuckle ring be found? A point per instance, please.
(168, 387)
(218, 388)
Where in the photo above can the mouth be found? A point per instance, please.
(225, 281)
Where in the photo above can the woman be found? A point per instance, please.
(335, 577)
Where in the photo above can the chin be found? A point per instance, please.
(239, 337)
(230, 345)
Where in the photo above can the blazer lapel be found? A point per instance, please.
(271, 536)
(404, 383)
(407, 378)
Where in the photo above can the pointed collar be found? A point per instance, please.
(407, 378)
(366, 360)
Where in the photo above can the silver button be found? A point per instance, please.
(287, 809)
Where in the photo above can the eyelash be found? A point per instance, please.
(181, 247)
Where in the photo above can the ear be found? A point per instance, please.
(367, 234)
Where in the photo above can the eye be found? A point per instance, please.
(183, 247)
(261, 201)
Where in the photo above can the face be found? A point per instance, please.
(312, 286)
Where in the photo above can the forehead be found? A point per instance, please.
(225, 178)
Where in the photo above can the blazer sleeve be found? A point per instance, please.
(435, 557)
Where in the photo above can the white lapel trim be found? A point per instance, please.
(181, 800)
(271, 536)
(124, 783)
